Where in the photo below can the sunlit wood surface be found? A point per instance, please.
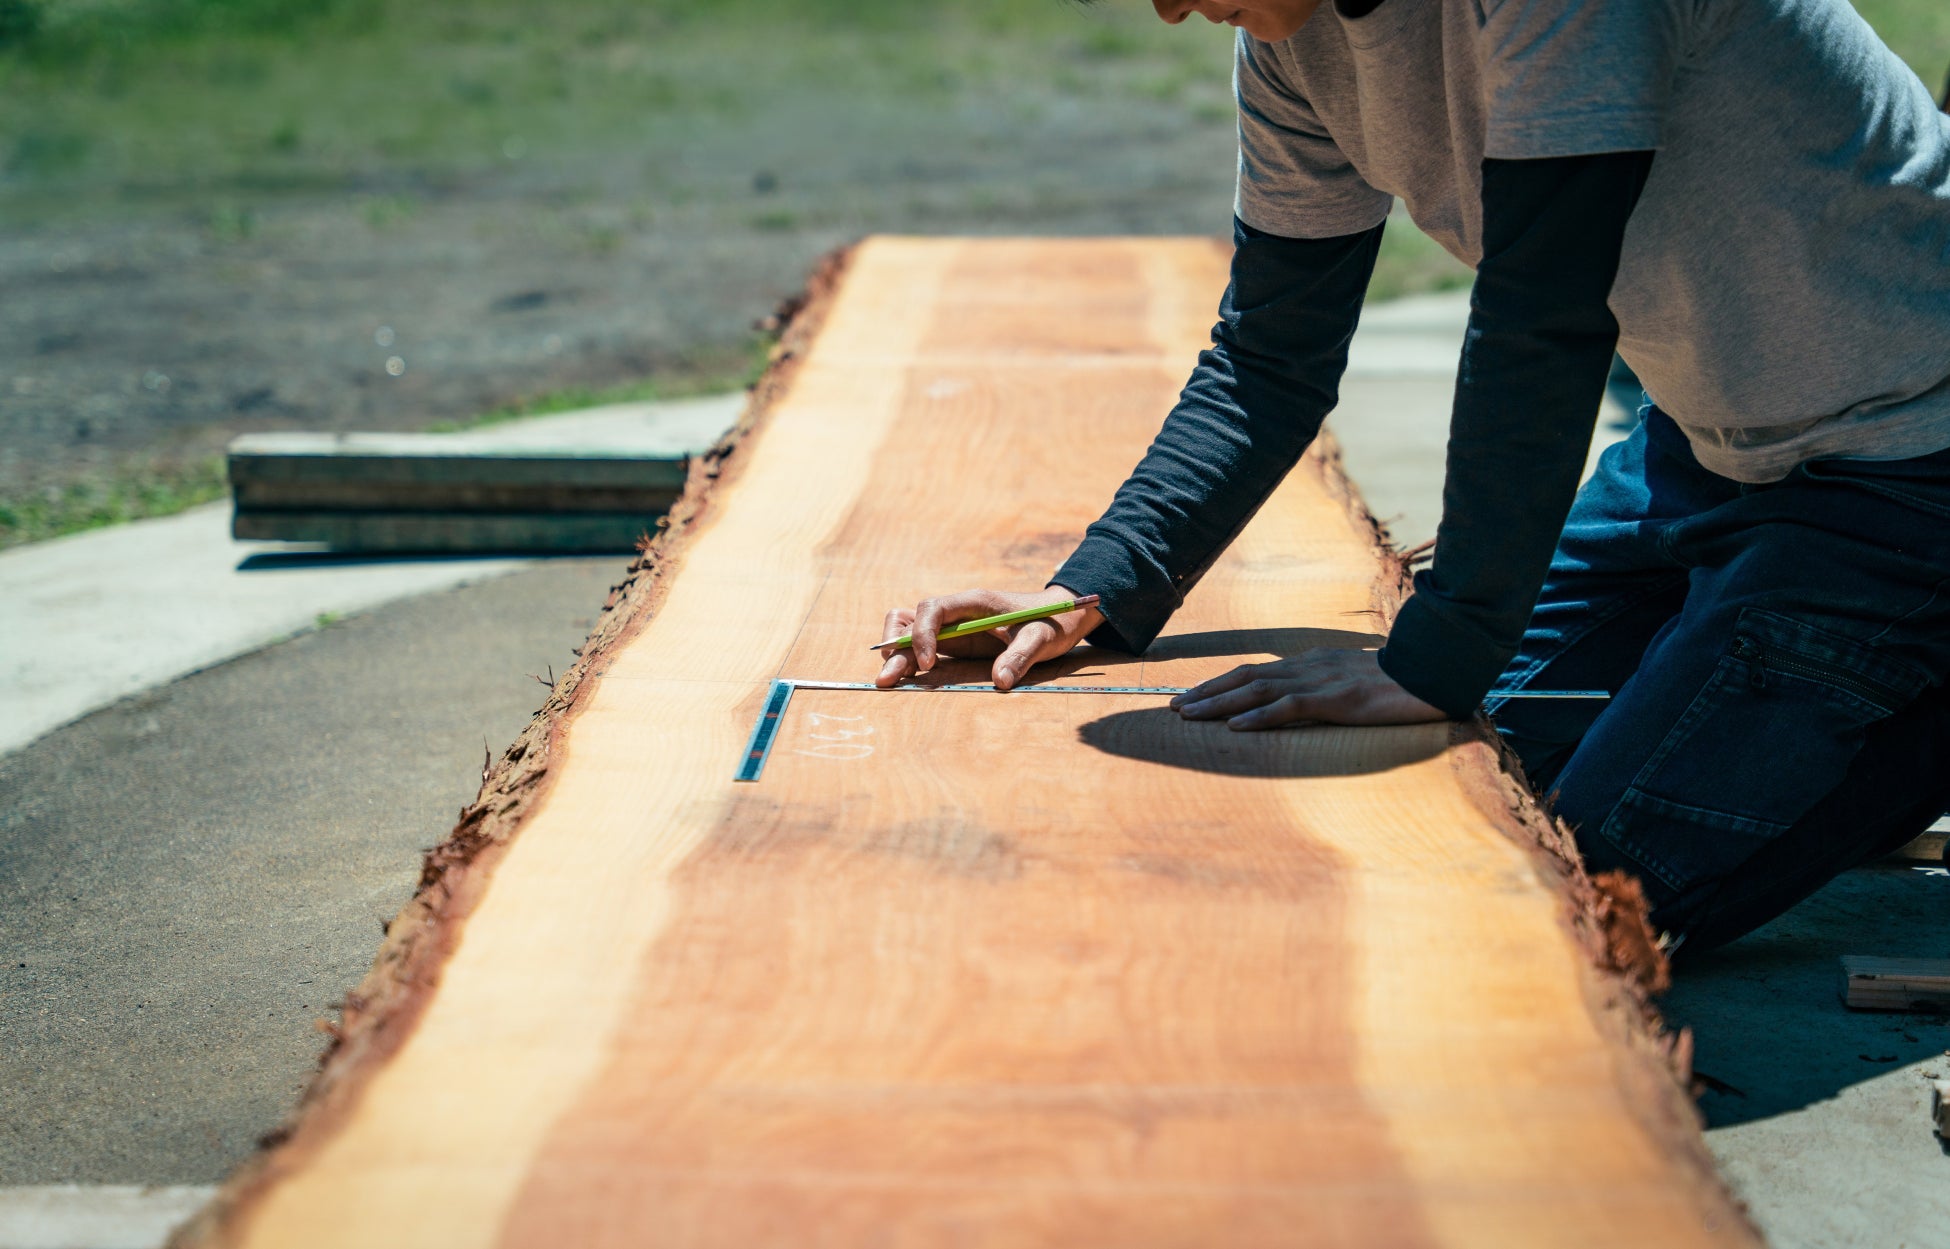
(972, 970)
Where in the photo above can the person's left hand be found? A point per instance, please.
(1318, 687)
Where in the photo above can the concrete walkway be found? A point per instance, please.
(75, 1216)
(98, 616)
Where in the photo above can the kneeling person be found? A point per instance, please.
(1750, 201)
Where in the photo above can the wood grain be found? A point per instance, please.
(985, 970)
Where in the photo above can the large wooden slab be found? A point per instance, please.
(972, 969)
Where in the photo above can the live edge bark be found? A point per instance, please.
(377, 1016)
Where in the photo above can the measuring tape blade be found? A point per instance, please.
(766, 731)
(1493, 695)
(1497, 696)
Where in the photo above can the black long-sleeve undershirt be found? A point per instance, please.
(1534, 361)
(1253, 405)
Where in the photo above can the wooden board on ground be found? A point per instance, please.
(1930, 847)
(1907, 984)
(974, 969)
(595, 480)
(470, 533)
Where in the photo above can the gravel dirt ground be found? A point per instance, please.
(387, 217)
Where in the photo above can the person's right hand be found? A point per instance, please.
(1015, 647)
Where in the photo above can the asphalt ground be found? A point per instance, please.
(190, 878)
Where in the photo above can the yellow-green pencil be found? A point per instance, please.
(986, 623)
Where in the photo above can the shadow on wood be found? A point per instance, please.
(1158, 735)
(1255, 644)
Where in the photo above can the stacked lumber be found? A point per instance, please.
(976, 969)
(595, 480)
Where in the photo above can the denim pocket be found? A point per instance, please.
(1772, 731)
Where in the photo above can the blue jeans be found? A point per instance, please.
(1777, 655)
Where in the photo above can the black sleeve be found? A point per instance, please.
(1252, 406)
(1534, 361)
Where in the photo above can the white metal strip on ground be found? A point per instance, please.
(95, 1216)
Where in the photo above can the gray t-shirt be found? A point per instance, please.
(1784, 290)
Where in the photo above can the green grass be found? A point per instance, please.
(123, 495)
(149, 98)
(1918, 31)
(1412, 263)
(154, 98)
(153, 95)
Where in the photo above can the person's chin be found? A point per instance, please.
(1268, 30)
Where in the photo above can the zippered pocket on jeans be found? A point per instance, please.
(1763, 662)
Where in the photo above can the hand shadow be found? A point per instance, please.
(1160, 735)
(1250, 643)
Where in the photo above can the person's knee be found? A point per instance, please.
(1611, 838)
